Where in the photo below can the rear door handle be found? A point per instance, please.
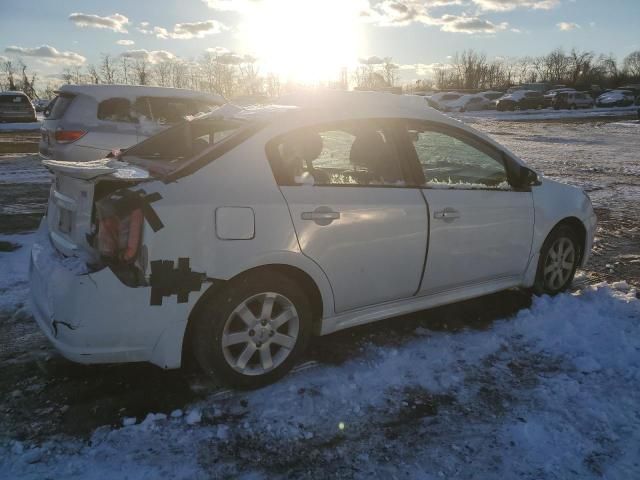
(321, 215)
(448, 214)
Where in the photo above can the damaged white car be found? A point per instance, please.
(235, 236)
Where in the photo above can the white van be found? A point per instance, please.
(86, 122)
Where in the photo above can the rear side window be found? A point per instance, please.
(58, 106)
(116, 110)
(167, 110)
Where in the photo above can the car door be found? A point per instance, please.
(352, 210)
(481, 228)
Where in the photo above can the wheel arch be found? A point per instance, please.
(577, 226)
(301, 277)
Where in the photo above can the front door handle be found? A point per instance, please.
(321, 215)
(448, 214)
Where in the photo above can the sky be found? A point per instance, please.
(308, 40)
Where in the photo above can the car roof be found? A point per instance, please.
(358, 104)
(104, 92)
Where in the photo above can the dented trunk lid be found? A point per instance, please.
(72, 197)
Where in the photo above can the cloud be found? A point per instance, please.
(231, 5)
(506, 5)
(218, 50)
(466, 24)
(371, 60)
(403, 12)
(115, 22)
(125, 42)
(48, 54)
(184, 31)
(153, 56)
(567, 26)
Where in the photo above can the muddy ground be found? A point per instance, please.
(42, 394)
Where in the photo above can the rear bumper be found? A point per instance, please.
(94, 318)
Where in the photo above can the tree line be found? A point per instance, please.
(232, 76)
(580, 69)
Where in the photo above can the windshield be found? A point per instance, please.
(182, 142)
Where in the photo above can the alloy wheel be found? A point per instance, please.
(559, 264)
(260, 333)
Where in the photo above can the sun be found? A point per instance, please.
(306, 41)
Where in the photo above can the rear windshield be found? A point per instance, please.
(451, 97)
(58, 106)
(13, 99)
(182, 142)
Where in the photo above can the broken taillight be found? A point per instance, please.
(120, 238)
(68, 136)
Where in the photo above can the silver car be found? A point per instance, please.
(87, 122)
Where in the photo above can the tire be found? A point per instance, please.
(266, 317)
(554, 276)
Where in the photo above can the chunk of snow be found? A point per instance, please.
(128, 421)
(194, 417)
(177, 413)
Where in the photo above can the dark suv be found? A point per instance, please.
(16, 107)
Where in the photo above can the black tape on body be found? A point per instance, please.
(167, 280)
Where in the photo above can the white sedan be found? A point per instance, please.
(238, 235)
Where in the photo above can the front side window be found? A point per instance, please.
(353, 153)
(451, 161)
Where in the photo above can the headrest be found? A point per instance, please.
(367, 148)
(305, 143)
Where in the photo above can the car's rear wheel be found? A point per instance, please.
(558, 262)
(251, 333)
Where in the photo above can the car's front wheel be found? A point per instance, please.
(559, 259)
(251, 333)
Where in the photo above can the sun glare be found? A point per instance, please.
(303, 40)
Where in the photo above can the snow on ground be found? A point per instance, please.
(551, 393)
(14, 265)
(548, 114)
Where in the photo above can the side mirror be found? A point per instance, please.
(529, 178)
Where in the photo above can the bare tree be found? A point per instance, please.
(93, 74)
(10, 71)
(141, 71)
(107, 69)
(632, 65)
(389, 70)
(125, 68)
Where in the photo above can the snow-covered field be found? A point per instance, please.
(553, 392)
(497, 388)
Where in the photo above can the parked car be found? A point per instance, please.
(572, 100)
(520, 100)
(237, 235)
(615, 98)
(440, 100)
(40, 104)
(468, 103)
(87, 122)
(491, 95)
(551, 94)
(16, 107)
